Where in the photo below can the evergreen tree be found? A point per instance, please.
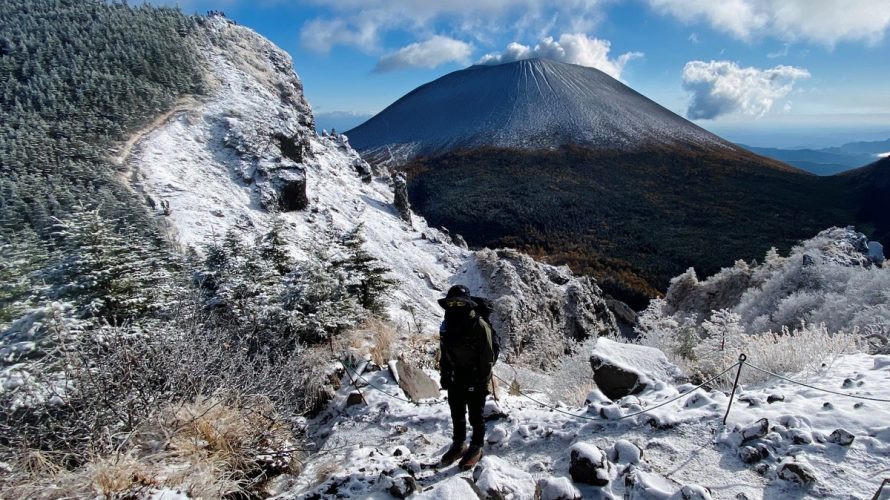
(108, 275)
(366, 278)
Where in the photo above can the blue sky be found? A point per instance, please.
(779, 73)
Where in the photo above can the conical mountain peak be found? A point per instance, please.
(529, 104)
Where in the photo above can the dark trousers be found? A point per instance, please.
(461, 401)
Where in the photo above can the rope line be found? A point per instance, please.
(378, 389)
(817, 388)
(690, 391)
(546, 405)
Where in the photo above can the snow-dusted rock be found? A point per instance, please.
(797, 472)
(415, 382)
(540, 310)
(623, 369)
(557, 488)
(400, 200)
(451, 488)
(498, 480)
(398, 483)
(650, 486)
(842, 437)
(589, 465)
(625, 452)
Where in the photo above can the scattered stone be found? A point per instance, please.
(399, 484)
(354, 398)
(827, 406)
(497, 435)
(800, 436)
(752, 454)
(752, 401)
(497, 479)
(415, 382)
(557, 488)
(756, 430)
(589, 465)
(848, 383)
(401, 451)
(841, 437)
(797, 472)
(625, 452)
(773, 398)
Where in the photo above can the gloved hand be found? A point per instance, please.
(445, 382)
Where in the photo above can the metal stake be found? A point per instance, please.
(735, 384)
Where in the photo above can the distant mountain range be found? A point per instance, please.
(571, 165)
(828, 161)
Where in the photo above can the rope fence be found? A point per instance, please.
(740, 364)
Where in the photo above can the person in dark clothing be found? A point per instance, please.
(467, 357)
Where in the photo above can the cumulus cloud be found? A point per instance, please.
(575, 48)
(427, 54)
(722, 87)
(362, 23)
(821, 21)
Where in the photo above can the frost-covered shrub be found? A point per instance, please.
(788, 314)
(809, 348)
(724, 339)
(676, 335)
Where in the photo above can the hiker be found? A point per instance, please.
(468, 352)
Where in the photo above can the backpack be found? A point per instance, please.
(484, 308)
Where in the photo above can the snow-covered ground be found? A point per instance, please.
(682, 444)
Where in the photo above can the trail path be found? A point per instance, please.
(185, 103)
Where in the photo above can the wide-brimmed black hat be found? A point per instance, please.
(458, 295)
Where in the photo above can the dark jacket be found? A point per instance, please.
(467, 352)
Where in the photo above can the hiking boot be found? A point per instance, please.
(453, 453)
(471, 458)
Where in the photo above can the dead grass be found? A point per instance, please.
(210, 448)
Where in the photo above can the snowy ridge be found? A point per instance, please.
(210, 168)
(187, 164)
(530, 104)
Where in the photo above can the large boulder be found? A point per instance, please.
(415, 382)
(540, 311)
(620, 370)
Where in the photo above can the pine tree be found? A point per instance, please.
(107, 275)
(366, 278)
(273, 247)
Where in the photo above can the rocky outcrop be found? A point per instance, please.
(400, 199)
(540, 311)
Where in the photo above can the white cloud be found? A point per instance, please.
(427, 54)
(722, 87)
(575, 48)
(822, 21)
(362, 23)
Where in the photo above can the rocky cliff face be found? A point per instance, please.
(250, 149)
(541, 311)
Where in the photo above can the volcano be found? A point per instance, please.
(574, 167)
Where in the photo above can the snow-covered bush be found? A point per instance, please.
(797, 313)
